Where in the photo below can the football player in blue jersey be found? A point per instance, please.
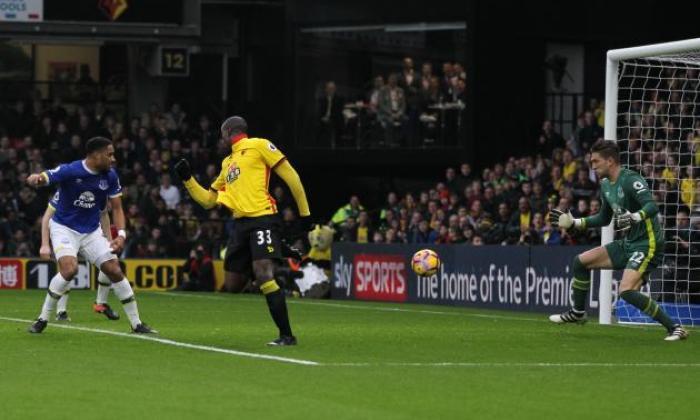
(84, 186)
(103, 284)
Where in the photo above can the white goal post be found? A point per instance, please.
(666, 70)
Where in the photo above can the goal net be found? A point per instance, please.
(658, 129)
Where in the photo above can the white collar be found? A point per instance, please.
(88, 169)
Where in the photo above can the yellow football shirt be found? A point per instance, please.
(570, 169)
(243, 182)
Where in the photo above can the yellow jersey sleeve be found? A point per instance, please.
(269, 152)
(219, 183)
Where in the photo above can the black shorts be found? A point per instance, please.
(254, 238)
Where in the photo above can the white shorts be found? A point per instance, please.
(93, 246)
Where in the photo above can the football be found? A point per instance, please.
(425, 262)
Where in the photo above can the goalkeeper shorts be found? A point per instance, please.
(636, 255)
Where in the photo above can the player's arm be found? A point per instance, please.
(115, 202)
(558, 218)
(105, 224)
(274, 158)
(120, 223)
(45, 249)
(205, 198)
(600, 219)
(52, 176)
(290, 176)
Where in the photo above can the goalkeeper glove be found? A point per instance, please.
(183, 170)
(558, 218)
(626, 220)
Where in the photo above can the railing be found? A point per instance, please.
(441, 125)
(563, 109)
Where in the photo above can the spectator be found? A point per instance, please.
(392, 110)
(168, 192)
(570, 165)
(373, 96)
(422, 234)
(330, 116)
(349, 230)
(409, 82)
(590, 132)
(391, 206)
(75, 151)
(549, 140)
(583, 187)
(451, 180)
(291, 228)
(521, 220)
(352, 209)
(446, 82)
(199, 270)
(364, 231)
(394, 236)
(206, 136)
(378, 238)
(538, 200)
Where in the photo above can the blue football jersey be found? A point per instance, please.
(82, 194)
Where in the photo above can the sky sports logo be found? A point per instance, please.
(373, 277)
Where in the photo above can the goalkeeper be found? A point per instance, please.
(627, 201)
(242, 187)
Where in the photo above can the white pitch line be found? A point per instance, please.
(365, 307)
(511, 364)
(365, 364)
(176, 343)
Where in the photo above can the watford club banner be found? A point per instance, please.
(144, 274)
(516, 277)
(12, 273)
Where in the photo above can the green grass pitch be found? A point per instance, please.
(354, 360)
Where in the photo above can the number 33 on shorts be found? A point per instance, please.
(264, 237)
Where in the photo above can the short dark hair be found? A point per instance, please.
(607, 149)
(97, 143)
(233, 126)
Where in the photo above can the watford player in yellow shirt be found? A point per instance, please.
(242, 187)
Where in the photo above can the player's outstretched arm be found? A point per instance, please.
(45, 249)
(120, 223)
(38, 180)
(600, 219)
(559, 219)
(290, 176)
(52, 176)
(205, 198)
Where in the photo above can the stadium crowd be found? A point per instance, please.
(404, 108)
(35, 136)
(506, 203)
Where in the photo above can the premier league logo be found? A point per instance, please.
(104, 184)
